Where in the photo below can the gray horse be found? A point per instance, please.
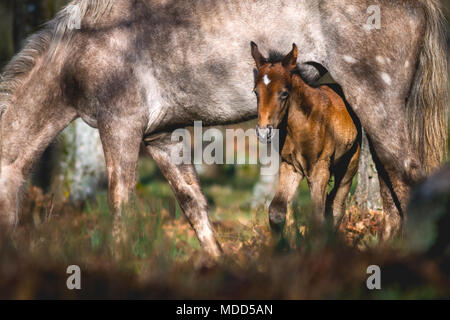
(138, 69)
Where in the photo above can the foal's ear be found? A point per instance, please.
(257, 56)
(290, 61)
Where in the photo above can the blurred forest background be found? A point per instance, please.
(66, 220)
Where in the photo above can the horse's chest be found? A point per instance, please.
(293, 155)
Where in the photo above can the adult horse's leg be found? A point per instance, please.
(393, 216)
(397, 162)
(121, 137)
(184, 182)
(27, 128)
(393, 220)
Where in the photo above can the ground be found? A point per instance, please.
(161, 257)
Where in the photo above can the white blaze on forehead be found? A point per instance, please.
(266, 80)
(386, 78)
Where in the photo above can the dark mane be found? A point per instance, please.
(277, 57)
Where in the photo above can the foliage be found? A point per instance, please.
(161, 257)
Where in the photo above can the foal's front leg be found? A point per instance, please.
(185, 184)
(286, 189)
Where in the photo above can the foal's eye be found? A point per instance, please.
(256, 93)
(284, 95)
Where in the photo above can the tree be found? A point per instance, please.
(80, 164)
(367, 195)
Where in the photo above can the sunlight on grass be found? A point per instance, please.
(160, 256)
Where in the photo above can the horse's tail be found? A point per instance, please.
(427, 103)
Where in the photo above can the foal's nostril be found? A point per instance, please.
(264, 134)
(269, 132)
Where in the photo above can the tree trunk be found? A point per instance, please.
(80, 164)
(367, 195)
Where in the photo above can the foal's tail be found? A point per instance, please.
(427, 103)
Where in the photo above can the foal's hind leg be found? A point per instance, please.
(343, 182)
(25, 133)
(184, 182)
(318, 185)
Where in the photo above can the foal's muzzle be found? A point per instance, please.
(264, 134)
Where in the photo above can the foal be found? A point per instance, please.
(322, 138)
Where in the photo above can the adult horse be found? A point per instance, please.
(137, 68)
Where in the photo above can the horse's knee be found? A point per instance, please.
(413, 171)
(277, 215)
(401, 165)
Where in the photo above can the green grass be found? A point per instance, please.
(160, 257)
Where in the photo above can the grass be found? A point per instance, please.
(160, 256)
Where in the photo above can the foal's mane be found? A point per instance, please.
(277, 57)
(47, 41)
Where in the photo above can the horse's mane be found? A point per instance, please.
(277, 57)
(47, 41)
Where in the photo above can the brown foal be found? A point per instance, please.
(322, 138)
